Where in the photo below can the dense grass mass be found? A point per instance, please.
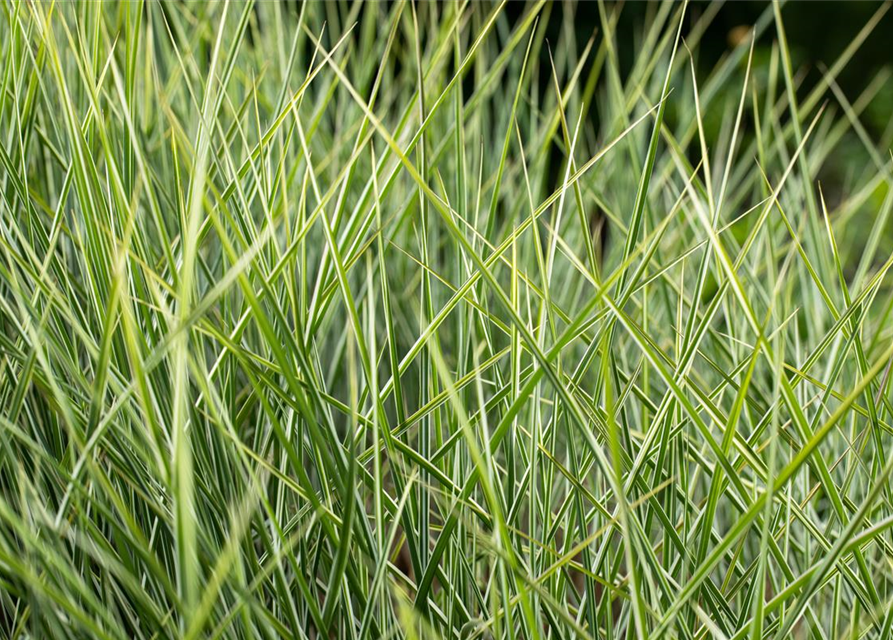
(343, 320)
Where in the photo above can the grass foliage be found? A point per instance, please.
(405, 321)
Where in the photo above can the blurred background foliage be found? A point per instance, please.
(818, 33)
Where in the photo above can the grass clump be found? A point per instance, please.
(439, 320)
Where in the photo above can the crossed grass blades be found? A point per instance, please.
(395, 321)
